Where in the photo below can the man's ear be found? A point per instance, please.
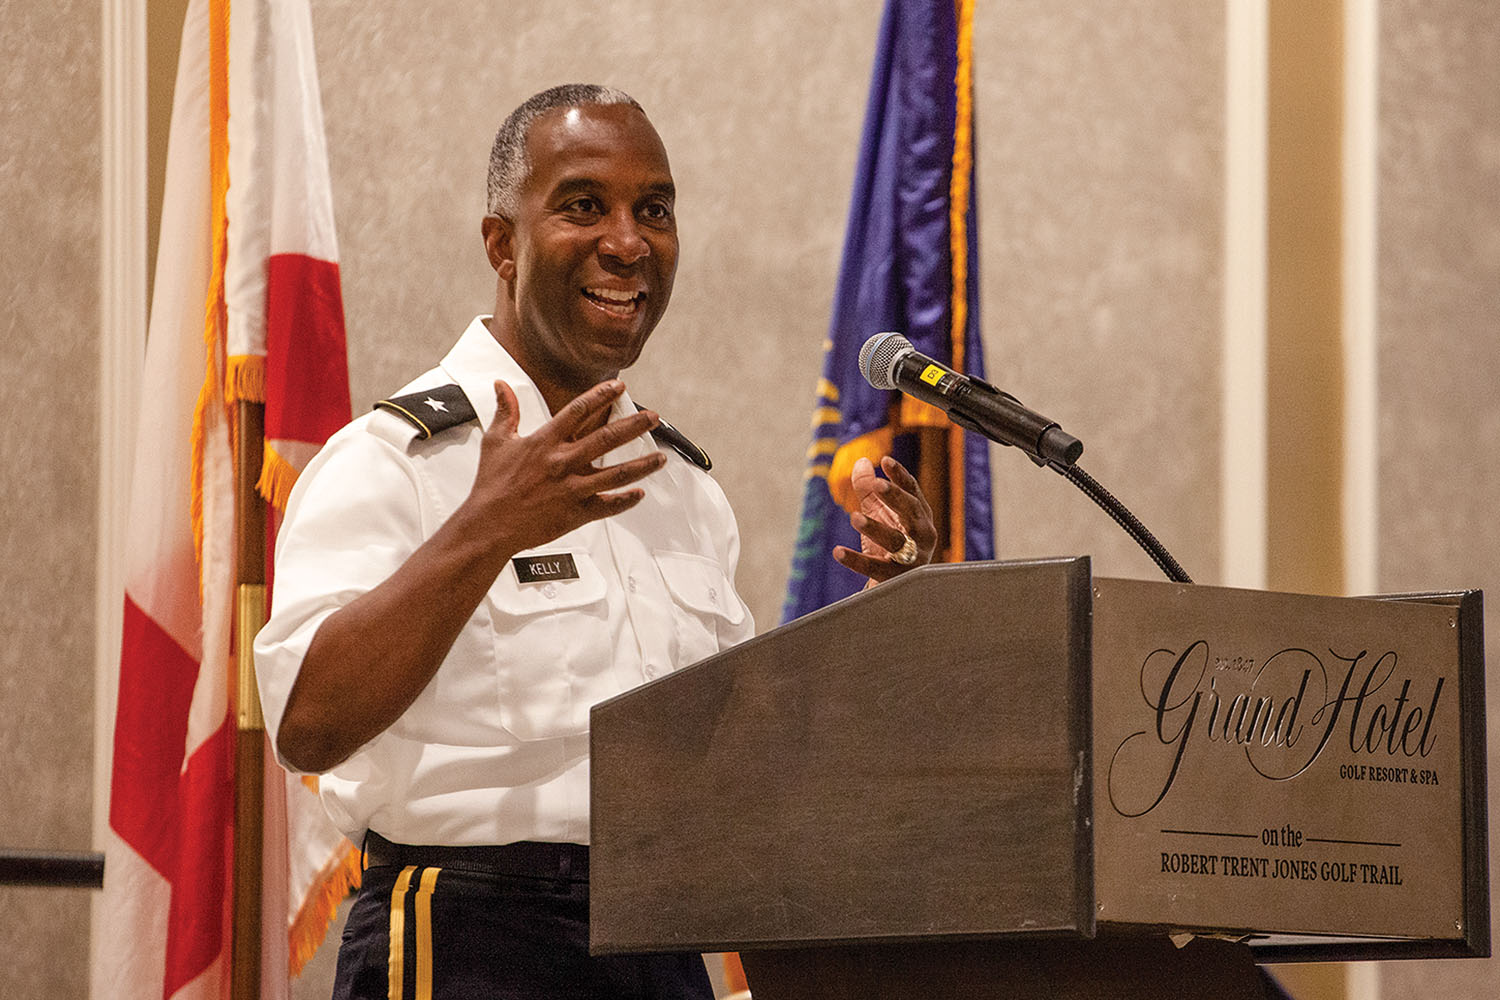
(499, 244)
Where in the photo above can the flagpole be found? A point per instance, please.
(249, 769)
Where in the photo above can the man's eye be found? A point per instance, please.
(657, 211)
(588, 205)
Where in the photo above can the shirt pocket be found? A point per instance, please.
(543, 632)
(704, 604)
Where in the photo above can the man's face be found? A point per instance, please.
(590, 257)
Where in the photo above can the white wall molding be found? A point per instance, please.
(1360, 319)
(1360, 328)
(1243, 411)
(122, 338)
(1362, 981)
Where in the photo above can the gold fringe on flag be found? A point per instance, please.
(958, 235)
(213, 322)
(328, 890)
(277, 477)
(958, 185)
(245, 379)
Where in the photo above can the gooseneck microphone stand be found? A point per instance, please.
(1045, 442)
(1124, 518)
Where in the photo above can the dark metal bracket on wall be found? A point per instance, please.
(57, 869)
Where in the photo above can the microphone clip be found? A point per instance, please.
(1042, 439)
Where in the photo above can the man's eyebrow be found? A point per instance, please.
(574, 185)
(666, 189)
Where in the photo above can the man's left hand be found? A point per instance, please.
(894, 522)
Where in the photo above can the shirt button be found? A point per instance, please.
(713, 593)
(549, 590)
(630, 584)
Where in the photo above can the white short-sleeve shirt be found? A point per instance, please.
(495, 748)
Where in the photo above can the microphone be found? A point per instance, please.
(888, 361)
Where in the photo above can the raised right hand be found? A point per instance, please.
(537, 487)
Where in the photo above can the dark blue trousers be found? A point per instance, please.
(440, 932)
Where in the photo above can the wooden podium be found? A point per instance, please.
(1004, 779)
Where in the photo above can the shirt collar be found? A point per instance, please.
(477, 360)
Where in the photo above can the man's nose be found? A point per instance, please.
(622, 238)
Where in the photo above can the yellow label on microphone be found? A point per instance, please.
(932, 374)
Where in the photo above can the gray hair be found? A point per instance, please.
(509, 166)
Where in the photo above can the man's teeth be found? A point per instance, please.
(610, 295)
(614, 300)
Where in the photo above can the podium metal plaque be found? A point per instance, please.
(1286, 764)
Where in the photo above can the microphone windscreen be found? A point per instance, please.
(877, 359)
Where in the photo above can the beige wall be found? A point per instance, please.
(1101, 165)
(49, 316)
(1439, 302)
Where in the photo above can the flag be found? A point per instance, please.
(909, 265)
(164, 922)
(284, 346)
(162, 929)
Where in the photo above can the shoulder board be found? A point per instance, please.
(431, 411)
(679, 442)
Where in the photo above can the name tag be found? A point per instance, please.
(544, 569)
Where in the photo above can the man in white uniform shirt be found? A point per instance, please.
(465, 571)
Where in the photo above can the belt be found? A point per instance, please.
(527, 858)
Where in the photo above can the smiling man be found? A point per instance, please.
(506, 542)
(586, 249)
